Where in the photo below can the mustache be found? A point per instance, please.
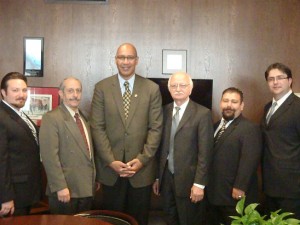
(24, 99)
(228, 109)
(74, 99)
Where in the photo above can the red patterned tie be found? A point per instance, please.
(80, 126)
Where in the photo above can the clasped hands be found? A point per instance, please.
(126, 169)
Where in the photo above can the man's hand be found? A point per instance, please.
(7, 208)
(122, 169)
(64, 195)
(155, 187)
(134, 166)
(197, 194)
(237, 193)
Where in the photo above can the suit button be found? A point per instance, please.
(126, 134)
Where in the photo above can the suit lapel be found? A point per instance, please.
(134, 100)
(20, 121)
(189, 111)
(282, 109)
(117, 95)
(266, 110)
(228, 131)
(74, 130)
(87, 126)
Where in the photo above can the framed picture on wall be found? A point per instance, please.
(33, 56)
(174, 61)
(39, 101)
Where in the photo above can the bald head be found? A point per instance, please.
(127, 47)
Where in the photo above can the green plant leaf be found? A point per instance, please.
(250, 208)
(240, 206)
(292, 221)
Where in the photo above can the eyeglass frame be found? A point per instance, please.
(129, 58)
(175, 86)
(277, 78)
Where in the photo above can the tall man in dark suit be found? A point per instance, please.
(126, 121)
(20, 166)
(281, 132)
(184, 154)
(67, 153)
(236, 155)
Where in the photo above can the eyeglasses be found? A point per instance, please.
(181, 86)
(72, 91)
(277, 78)
(123, 57)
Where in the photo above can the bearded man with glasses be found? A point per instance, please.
(281, 133)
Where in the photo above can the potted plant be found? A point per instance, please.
(250, 216)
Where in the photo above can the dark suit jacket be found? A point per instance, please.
(118, 139)
(20, 167)
(64, 154)
(235, 161)
(281, 164)
(193, 143)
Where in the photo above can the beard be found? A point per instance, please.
(228, 114)
(18, 105)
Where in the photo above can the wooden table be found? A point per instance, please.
(51, 220)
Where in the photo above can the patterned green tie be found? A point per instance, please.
(126, 99)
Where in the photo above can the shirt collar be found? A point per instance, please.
(283, 98)
(71, 111)
(183, 106)
(130, 81)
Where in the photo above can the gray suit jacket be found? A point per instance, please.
(64, 154)
(281, 164)
(236, 156)
(193, 144)
(117, 139)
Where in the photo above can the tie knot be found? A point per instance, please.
(177, 108)
(76, 115)
(126, 84)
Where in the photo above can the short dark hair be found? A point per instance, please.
(283, 68)
(11, 76)
(234, 90)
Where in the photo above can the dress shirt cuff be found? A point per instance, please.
(199, 186)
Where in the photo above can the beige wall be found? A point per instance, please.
(229, 41)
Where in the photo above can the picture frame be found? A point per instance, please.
(174, 61)
(33, 56)
(40, 100)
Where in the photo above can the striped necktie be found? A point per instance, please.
(220, 132)
(30, 125)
